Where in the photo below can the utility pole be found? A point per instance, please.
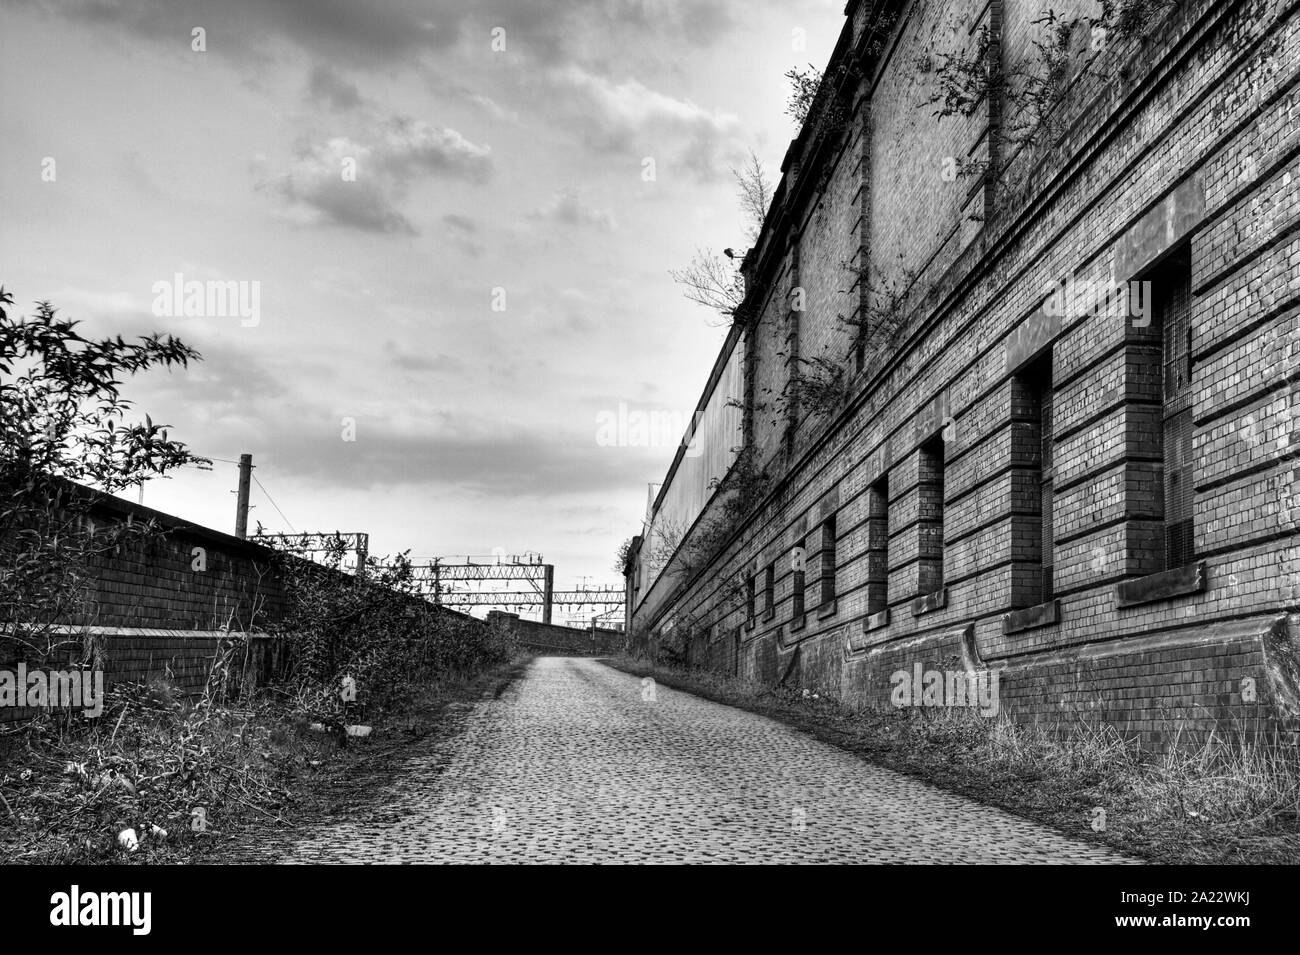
(549, 586)
(241, 505)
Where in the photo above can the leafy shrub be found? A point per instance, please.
(377, 630)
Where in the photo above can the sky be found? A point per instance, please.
(456, 221)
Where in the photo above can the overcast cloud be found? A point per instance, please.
(456, 246)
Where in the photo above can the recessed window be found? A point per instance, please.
(878, 546)
(931, 515)
(1171, 289)
(829, 561)
(1036, 382)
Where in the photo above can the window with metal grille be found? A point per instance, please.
(1180, 545)
(1171, 287)
(931, 515)
(751, 608)
(878, 546)
(829, 560)
(769, 589)
(1038, 381)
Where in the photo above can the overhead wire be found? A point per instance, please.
(275, 505)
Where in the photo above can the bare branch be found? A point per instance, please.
(755, 195)
(713, 281)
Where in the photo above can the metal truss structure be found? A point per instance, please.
(316, 546)
(457, 583)
(450, 583)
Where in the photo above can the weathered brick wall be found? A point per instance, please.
(555, 639)
(1188, 134)
(917, 213)
(187, 578)
(769, 352)
(164, 607)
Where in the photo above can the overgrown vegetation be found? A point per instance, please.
(1028, 99)
(156, 775)
(162, 777)
(1233, 797)
(714, 279)
(358, 643)
(814, 100)
(621, 556)
(735, 495)
(144, 777)
(64, 423)
(821, 386)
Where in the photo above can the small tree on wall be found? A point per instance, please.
(813, 97)
(713, 279)
(63, 423)
(620, 558)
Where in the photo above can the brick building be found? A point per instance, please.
(1014, 384)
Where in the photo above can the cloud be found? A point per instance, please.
(462, 224)
(462, 232)
(494, 109)
(475, 455)
(414, 146)
(241, 396)
(563, 312)
(631, 117)
(604, 31)
(220, 398)
(411, 361)
(381, 33)
(336, 31)
(327, 86)
(568, 208)
(360, 184)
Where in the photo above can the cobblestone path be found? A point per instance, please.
(573, 764)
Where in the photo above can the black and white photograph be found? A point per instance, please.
(650, 432)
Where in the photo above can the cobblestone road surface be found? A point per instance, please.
(572, 764)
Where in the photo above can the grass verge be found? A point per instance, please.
(1229, 799)
(192, 780)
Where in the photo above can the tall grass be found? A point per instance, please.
(1226, 795)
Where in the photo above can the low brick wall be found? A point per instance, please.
(1236, 677)
(163, 607)
(563, 641)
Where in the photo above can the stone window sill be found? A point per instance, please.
(1028, 618)
(1165, 585)
(927, 603)
(876, 621)
(826, 610)
(798, 623)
